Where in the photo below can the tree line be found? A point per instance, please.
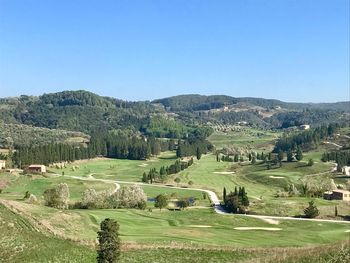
(159, 176)
(342, 158)
(306, 140)
(193, 147)
(109, 145)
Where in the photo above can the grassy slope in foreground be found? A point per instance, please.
(20, 242)
(200, 227)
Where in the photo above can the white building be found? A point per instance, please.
(2, 164)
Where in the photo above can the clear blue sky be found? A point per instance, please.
(293, 50)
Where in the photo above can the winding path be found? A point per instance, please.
(212, 196)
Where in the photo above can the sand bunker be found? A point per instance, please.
(201, 226)
(276, 177)
(258, 228)
(271, 221)
(224, 172)
(143, 165)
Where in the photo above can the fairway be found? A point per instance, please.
(169, 227)
(261, 185)
(244, 137)
(117, 169)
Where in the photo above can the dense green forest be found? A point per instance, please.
(257, 112)
(173, 117)
(194, 102)
(112, 145)
(306, 140)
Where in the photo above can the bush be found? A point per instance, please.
(183, 203)
(89, 199)
(32, 199)
(26, 195)
(57, 197)
(310, 162)
(131, 196)
(127, 197)
(311, 211)
(160, 201)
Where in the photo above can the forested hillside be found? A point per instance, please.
(188, 117)
(20, 135)
(258, 112)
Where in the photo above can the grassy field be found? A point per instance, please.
(262, 184)
(116, 169)
(195, 227)
(21, 242)
(37, 184)
(16, 186)
(248, 137)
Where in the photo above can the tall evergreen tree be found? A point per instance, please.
(198, 153)
(299, 154)
(290, 156)
(109, 242)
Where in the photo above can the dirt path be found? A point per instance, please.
(91, 178)
(213, 198)
(337, 145)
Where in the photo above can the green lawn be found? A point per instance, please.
(261, 184)
(37, 184)
(192, 226)
(20, 242)
(248, 137)
(116, 169)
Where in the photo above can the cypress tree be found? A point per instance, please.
(299, 154)
(198, 154)
(109, 242)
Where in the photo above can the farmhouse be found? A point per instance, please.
(37, 168)
(2, 164)
(337, 195)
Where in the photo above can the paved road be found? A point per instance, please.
(212, 196)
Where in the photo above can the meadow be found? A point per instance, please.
(21, 241)
(244, 136)
(201, 228)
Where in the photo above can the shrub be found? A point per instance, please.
(310, 162)
(32, 199)
(131, 196)
(26, 195)
(183, 203)
(311, 211)
(160, 201)
(57, 197)
(89, 199)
